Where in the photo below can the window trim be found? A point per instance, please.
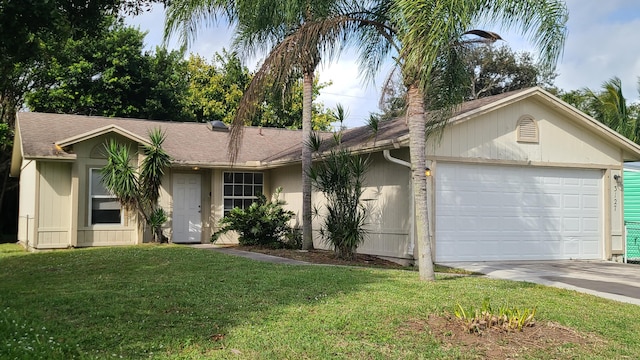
(90, 202)
(239, 197)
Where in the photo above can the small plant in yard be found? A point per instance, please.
(504, 317)
(264, 223)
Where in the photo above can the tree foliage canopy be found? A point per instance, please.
(609, 106)
(109, 74)
(498, 70)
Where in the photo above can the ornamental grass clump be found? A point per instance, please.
(340, 175)
(503, 318)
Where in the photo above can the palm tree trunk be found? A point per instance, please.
(417, 145)
(307, 230)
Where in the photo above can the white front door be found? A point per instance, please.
(486, 213)
(187, 216)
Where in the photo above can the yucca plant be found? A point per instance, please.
(139, 189)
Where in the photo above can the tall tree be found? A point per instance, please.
(427, 36)
(109, 74)
(216, 88)
(495, 70)
(492, 70)
(32, 33)
(295, 33)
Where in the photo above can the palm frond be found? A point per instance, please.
(153, 166)
(119, 175)
(543, 22)
(187, 17)
(299, 52)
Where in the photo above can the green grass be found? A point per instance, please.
(183, 303)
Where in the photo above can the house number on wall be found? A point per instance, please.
(615, 197)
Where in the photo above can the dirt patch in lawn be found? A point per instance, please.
(551, 339)
(325, 257)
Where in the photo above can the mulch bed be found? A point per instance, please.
(551, 339)
(324, 257)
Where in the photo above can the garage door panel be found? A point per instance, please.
(590, 202)
(517, 213)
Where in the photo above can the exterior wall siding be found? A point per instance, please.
(90, 154)
(386, 197)
(54, 205)
(106, 237)
(493, 136)
(632, 212)
(27, 206)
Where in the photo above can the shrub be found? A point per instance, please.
(263, 223)
(340, 177)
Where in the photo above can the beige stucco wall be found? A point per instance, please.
(289, 178)
(27, 205)
(492, 136)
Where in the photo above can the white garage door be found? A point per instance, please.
(517, 213)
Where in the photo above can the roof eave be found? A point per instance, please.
(101, 131)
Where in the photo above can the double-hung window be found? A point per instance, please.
(104, 207)
(241, 189)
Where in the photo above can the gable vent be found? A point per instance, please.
(527, 129)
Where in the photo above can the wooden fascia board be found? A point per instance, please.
(101, 131)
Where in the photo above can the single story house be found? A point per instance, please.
(516, 176)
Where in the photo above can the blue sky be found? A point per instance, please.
(602, 43)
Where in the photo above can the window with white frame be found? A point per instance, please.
(104, 207)
(240, 189)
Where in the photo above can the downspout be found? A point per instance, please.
(412, 235)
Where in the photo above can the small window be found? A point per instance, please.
(240, 189)
(104, 207)
(527, 129)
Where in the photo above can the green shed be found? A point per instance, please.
(631, 183)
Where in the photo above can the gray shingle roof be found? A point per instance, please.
(388, 132)
(188, 143)
(195, 144)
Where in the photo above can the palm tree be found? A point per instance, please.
(427, 36)
(610, 107)
(296, 34)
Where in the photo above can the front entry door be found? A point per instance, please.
(187, 217)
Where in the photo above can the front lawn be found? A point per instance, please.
(179, 302)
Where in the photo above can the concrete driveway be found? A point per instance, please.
(601, 278)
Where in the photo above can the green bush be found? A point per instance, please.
(340, 175)
(263, 223)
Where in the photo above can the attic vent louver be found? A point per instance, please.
(217, 125)
(527, 129)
